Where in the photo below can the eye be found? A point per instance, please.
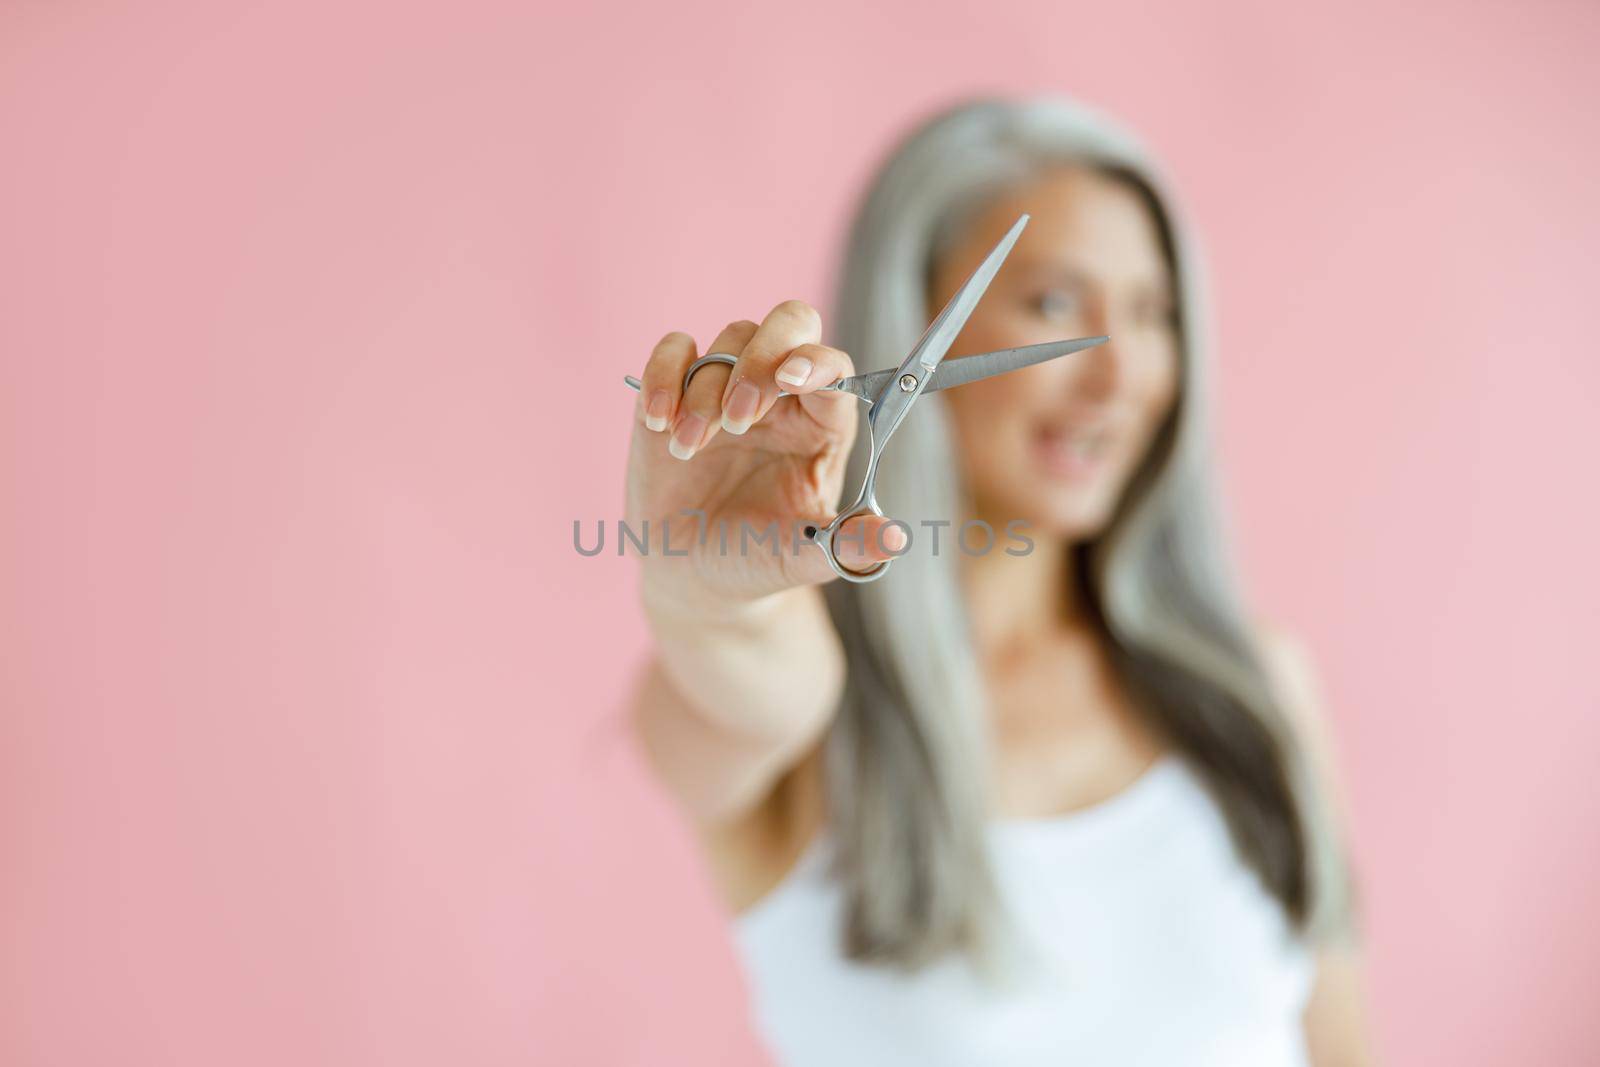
(1056, 303)
(1156, 313)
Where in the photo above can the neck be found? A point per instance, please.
(1014, 601)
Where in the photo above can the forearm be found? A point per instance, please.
(1336, 1014)
(730, 702)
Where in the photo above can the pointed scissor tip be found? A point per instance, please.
(1010, 239)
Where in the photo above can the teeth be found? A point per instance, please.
(1083, 444)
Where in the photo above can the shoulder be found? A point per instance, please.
(1291, 674)
(1287, 661)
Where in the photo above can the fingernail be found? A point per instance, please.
(893, 538)
(655, 416)
(686, 438)
(740, 410)
(795, 370)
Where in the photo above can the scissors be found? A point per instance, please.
(892, 393)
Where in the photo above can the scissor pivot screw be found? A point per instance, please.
(908, 382)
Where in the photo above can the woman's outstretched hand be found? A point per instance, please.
(748, 667)
(730, 474)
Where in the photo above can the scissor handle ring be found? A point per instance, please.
(823, 539)
(706, 361)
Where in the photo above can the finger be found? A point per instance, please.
(867, 540)
(661, 384)
(814, 367)
(700, 408)
(751, 389)
(810, 367)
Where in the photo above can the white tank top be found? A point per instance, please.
(1151, 943)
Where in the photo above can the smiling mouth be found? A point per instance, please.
(1071, 452)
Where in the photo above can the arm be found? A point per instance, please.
(727, 705)
(747, 667)
(1335, 1018)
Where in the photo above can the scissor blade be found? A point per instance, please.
(969, 369)
(988, 364)
(942, 334)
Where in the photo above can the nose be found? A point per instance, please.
(1101, 371)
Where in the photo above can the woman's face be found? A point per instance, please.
(1055, 444)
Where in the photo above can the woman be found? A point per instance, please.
(1050, 806)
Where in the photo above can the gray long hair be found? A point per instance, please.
(906, 756)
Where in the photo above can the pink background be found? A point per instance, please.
(313, 320)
